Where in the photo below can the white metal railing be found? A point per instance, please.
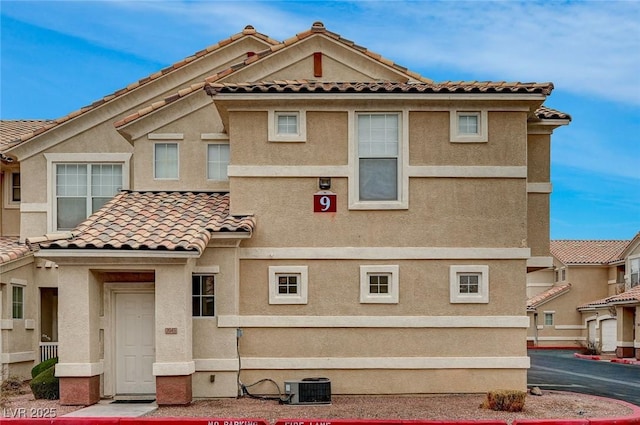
(48, 350)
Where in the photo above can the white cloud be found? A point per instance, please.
(583, 47)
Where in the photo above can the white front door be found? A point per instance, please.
(135, 343)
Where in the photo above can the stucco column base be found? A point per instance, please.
(637, 353)
(625, 352)
(173, 390)
(79, 391)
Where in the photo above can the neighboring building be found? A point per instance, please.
(588, 298)
(287, 210)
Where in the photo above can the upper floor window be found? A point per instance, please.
(468, 126)
(217, 161)
(82, 189)
(18, 302)
(548, 318)
(288, 284)
(634, 271)
(203, 295)
(469, 284)
(287, 126)
(379, 284)
(165, 161)
(378, 155)
(15, 187)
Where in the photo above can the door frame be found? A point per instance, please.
(109, 338)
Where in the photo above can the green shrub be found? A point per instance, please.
(45, 385)
(505, 400)
(35, 371)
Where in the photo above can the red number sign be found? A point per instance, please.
(324, 202)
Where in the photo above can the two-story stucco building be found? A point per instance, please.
(285, 210)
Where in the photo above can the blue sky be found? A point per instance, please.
(57, 56)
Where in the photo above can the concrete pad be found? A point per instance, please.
(107, 408)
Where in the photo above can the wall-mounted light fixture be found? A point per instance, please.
(324, 183)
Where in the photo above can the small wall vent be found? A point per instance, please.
(308, 391)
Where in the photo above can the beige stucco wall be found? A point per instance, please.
(538, 224)
(539, 158)
(588, 283)
(19, 336)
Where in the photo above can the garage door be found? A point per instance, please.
(609, 335)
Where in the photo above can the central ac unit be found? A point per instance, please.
(308, 391)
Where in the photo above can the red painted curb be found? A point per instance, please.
(551, 422)
(387, 422)
(193, 421)
(586, 356)
(626, 361)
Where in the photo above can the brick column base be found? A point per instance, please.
(173, 390)
(625, 352)
(79, 391)
(637, 353)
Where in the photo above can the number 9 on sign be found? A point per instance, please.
(324, 202)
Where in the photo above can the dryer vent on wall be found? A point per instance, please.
(308, 391)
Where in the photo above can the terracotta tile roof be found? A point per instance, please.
(11, 249)
(447, 87)
(212, 87)
(593, 304)
(631, 295)
(588, 251)
(318, 27)
(247, 31)
(159, 221)
(547, 295)
(544, 112)
(11, 130)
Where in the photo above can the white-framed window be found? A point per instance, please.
(203, 295)
(15, 187)
(634, 271)
(468, 126)
(83, 188)
(379, 284)
(217, 161)
(548, 318)
(469, 284)
(288, 284)
(17, 303)
(12, 188)
(378, 156)
(563, 274)
(287, 126)
(165, 161)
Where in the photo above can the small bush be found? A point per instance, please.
(45, 385)
(591, 348)
(12, 386)
(505, 400)
(37, 369)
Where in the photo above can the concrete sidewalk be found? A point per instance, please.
(107, 408)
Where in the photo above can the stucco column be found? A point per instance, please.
(636, 342)
(79, 366)
(174, 363)
(625, 327)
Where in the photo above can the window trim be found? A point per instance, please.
(456, 297)
(209, 179)
(482, 136)
(274, 136)
(15, 285)
(403, 163)
(78, 158)
(166, 142)
(204, 274)
(9, 202)
(392, 297)
(301, 297)
(634, 259)
(546, 314)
